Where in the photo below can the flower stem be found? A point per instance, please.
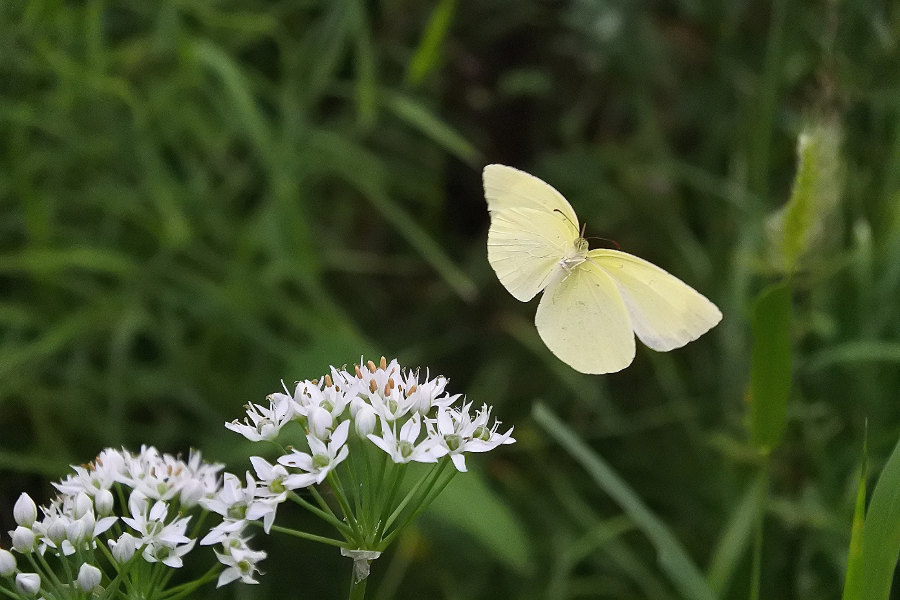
(357, 587)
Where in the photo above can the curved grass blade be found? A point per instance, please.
(880, 544)
(673, 558)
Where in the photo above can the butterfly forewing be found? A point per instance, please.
(532, 229)
(665, 312)
(506, 187)
(584, 321)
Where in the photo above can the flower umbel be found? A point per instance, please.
(360, 431)
(67, 540)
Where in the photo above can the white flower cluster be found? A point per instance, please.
(381, 406)
(159, 490)
(410, 420)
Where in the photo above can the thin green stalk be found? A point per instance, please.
(338, 488)
(180, 591)
(427, 484)
(327, 516)
(435, 492)
(386, 506)
(309, 536)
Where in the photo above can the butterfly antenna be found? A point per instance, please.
(613, 243)
(566, 217)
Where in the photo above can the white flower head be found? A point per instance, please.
(403, 448)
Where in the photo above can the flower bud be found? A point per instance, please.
(80, 531)
(320, 422)
(25, 511)
(23, 540)
(56, 530)
(83, 506)
(88, 577)
(7, 563)
(28, 584)
(104, 502)
(123, 549)
(365, 420)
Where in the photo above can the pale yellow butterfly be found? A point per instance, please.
(594, 301)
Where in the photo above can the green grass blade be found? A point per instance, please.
(421, 118)
(770, 370)
(673, 558)
(737, 535)
(427, 55)
(854, 554)
(853, 353)
(880, 544)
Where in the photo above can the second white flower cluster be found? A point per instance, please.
(408, 418)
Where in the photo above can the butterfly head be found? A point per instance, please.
(575, 256)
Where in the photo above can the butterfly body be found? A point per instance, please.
(594, 301)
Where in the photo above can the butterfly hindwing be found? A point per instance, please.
(665, 312)
(584, 321)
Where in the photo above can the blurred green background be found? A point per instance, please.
(200, 198)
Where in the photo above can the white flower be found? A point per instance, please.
(168, 554)
(25, 511)
(240, 560)
(7, 563)
(322, 457)
(232, 499)
(28, 583)
(271, 491)
(265, 423)
(223, 530)
(422, 397)
(88, 577)
(403, 449)
(454, 433)
(484, 438)
(163, 542)
(100, 474)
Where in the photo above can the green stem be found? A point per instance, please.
(357, 587)
(309, 536)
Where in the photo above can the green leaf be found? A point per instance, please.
(673, 558)
(880, 545)
(770, 368)
(469, 504)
